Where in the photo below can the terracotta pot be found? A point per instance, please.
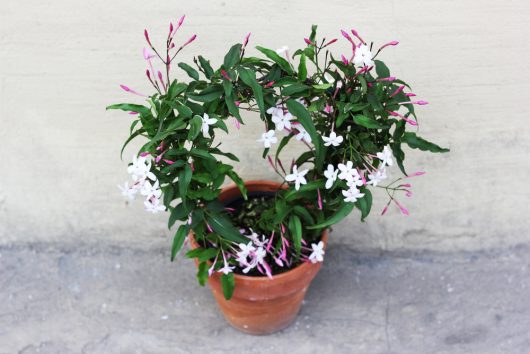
(261, 305)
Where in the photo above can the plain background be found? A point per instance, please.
(61, 63)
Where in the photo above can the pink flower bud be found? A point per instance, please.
(308, 41)
(237, 124)
(269, 84)
(406, 185)
(225, 75)
(169, 162)
(347, 36)
(133, 113)
(393, 43)
(354, 32)
(415, 174)
(398, 90)
(410, 94)
(245, 41)
(384, 210)
(181, 21)
(170, 28)
(408, 194)
(402, 208)
(146, 35)
(209, 227)
(144, 154)
(390, 78)
(344, 60)
(331, 42)
(189, 41)
(237, 103)
(328, 109)
(421, 103)
(319, 199)
(127, 89)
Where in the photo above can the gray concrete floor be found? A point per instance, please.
(99, 298)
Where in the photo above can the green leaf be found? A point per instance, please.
(381, 69)
(184, 181)
(205, 64)
(195, 128)
(302, 69)
(202, 153)
(184, 111)
(230, 102)
(368, 122)
(178, 240)
(365, 203)
(303, 116)
(294, 89)
(355, 107)
(128, 107)
(416, 142)
(341, 213)
(180, 212)
(176, 88)
(295, 225)
(249, 78)
(129, 139)
(232, 57)
(239, 182)
(222, 225)
(228, 284)
(209, 94)
(194, 74)
(272, 55)
(202, 273)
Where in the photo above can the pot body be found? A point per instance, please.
(261, 305)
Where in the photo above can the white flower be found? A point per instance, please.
(153, 205)
(245, 249)
(282, 50)
(318, 252)
(282, 121)
(377, 177)
(302, 134)
(363, 56)
(128, 192)
(333, 139)
(352, 194)
(260, 254)
(151, 190)
(140, 169)
(206, 122)
(268, 139)
(226, 269)
(386, 156)
(297, 177)
(348, 172)
(331, 174)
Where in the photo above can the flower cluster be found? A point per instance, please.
(145, 183)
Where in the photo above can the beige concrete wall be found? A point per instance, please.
(61, 63)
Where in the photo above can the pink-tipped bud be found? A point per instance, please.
(319, 199)
(347, 36)
(181, 21)
(133, 113)
(331, 42)
(225, 75)
(269, 84)
(398, 90)
(170, 28)
(237, 124)
(169, 162)
(408, 194)
(420, 103)
(125, 88)
(344, 59)
(160, 76)
(308, 41)
(148, 74)
(192, 166)
(237, 103)
(415, 174)
(393, 43)
(402, 208)
(144, 154)
(354, 32)
(209, 227)
(245, 41)
(189, 40)
(146, 35)
(406, 185)
(328, 109)
(389, 79)
(128, 89)
(384, 210)
(410, 94)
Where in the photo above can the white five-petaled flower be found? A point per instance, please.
(297, 177)
(282, 121)
(282, 50)
(153, 205)
(352, 194)
(140, 169)
(206, 122)
(226, 269)
(333, 139)
(128, 192)
(347, 171)
(331, 174)
(302, 134)
(318, 252)
(363, 56)
(151, 190)
(268, 139)
(376, 177)
(246, 249)
(386, 156)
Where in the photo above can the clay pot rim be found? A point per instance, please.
(275, 277)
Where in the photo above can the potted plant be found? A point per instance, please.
(259, 244)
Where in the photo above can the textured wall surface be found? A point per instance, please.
(62, 61)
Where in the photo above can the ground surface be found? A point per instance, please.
(96, 298)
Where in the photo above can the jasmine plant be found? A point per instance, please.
(348, 111)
